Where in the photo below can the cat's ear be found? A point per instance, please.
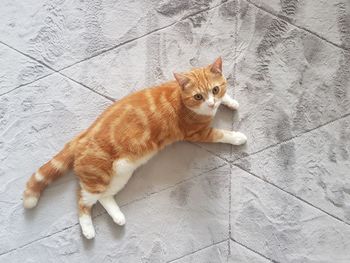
(216, 67)
(182, 79)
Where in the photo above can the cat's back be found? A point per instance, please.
(150, 98)
(158, 101)
(143, 117)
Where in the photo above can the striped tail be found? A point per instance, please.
(53, 169)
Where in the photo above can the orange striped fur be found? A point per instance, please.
(131, 131)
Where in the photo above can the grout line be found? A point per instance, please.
(228, 250)
(237, 11)
(28, 83)
(35, 240)
(213, 153)
(29, 56)
(272, 145)
(193, 252)
(119, 45)
(126, 204)
(87, 87)
(292, 138)
(292, 194)
(44, 237)
(54, 71)
(176, 184)
(229, 208)
(289, 20)
(254, 251)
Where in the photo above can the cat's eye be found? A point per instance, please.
(198, 96)
(215, 90)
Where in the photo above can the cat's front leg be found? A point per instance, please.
(231, 137)
(230, 102)
(219, 135)
(109, 203)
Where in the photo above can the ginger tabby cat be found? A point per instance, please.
(130, 132)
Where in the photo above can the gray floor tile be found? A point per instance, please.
(328, 19)
(314, 166)
(290, 81)
(281, 227)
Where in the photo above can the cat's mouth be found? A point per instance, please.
(211, 109)
(217, 104)
(214, 106)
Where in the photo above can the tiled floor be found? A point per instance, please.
(284, 197)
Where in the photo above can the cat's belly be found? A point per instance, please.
(123, 170)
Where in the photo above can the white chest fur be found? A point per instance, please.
(123, 170)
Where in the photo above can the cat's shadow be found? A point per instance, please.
(117, 231)
(88, 244)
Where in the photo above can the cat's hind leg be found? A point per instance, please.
(109, 203)
(123, 170)
(86, 200)
(94, 174)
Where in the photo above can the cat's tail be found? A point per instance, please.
(53, 169)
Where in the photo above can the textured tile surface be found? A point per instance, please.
(329, 19)
(281, 227)
(17, 70)
(314, 166)
(287, 63)
(215, 253)
(60, 33)
(240, 254)
(290, 81)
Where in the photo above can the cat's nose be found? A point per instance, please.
(211, 105)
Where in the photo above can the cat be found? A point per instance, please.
(131, 131)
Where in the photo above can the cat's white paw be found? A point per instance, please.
(86, 226)
(89, 232)
(119, 219)
(234, 138)
(233, 104)
(238, 138)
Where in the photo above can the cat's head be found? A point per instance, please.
(203, 88)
